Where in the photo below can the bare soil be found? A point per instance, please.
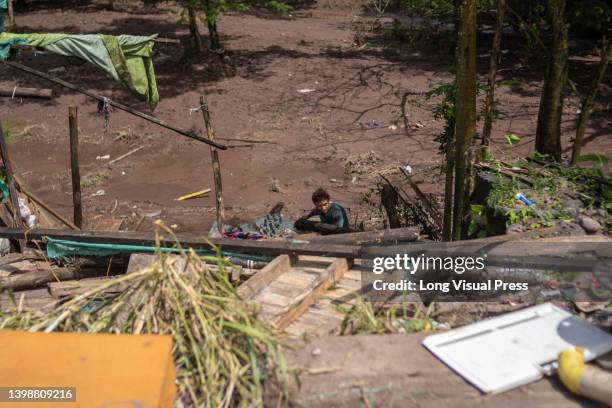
(253, 93)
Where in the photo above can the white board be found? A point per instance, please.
(508, 351)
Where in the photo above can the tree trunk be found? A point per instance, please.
(587, 103)
(215, 42)
(193, 30)
(389, 200)
(465, 106)
(495, 52)
(548, 134)
(447, 224)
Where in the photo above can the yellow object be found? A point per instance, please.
(194, 195)
(571, 368)
(584, 379)
(108, 370)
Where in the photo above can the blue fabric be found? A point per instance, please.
(5, 47)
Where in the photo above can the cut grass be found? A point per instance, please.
(223, 353)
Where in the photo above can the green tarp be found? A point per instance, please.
(57, 248)
(126, 58)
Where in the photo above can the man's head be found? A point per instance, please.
(321, 200)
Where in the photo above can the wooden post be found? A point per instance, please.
(74, 166)
(215, 164)
(11, 15)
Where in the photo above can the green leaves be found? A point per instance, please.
(512, 139)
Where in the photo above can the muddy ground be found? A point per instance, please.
(254, 94)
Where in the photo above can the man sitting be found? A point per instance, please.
(333, 217)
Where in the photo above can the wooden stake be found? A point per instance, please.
(11, 15)
(74, 166)
(215, 164)
(117, 105)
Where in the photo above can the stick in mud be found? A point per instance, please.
(74, 166)
(215, 164)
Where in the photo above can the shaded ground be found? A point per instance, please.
(254, 95)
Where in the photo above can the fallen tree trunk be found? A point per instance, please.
(34, 279)
(26, 92)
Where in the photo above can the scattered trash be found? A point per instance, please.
(521, 197)
(131, 152)
(374, 125)
(123, 173)
(5, 246)
(275, 186)
(58, 70)
(408, 169)
(517, 348)
(197, 194)
(26, 213)
(316, 352)
(393, 127)
(98, 193)
(105, 157)
(417, 125)
(152, 214)
(306, 90)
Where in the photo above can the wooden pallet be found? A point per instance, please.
(300, 295)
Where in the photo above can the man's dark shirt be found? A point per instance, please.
(336, 215)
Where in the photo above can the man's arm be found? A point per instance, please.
(312, 213)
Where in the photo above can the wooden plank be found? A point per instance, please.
(301, 303)
(78, 287)
(189, 241)
(263, 278)
(109, 224)
(36, 299)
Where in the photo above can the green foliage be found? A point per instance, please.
(278, 6)
(445, 110)
(597, 158)
(512, 139)
(6, 133)
(361, 318)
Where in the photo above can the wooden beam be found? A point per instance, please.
(407, 234)
(263, 278)
(302, 302)
(19, 92)
(72, 288)
(117, 105)
(34, 279)
(189, 241)
(74, 166)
